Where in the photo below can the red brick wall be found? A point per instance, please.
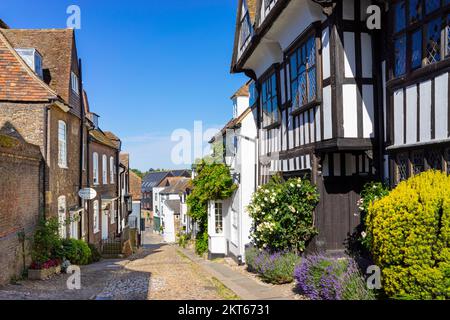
(20, 190)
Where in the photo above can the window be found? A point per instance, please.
(434, 160)
(95, 168)
(269, 101)
(402, 167)
(246, 27)
(105, 169)
(96, 217)
(74, 83)
(62, 144)
(218, 217)
(113, 212)
(111, 170)
(253, 93)
(418, 162)
(74, 218)
(419, 26)
(303, 73)
(62, 216)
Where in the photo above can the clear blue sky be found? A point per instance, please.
(150, 66)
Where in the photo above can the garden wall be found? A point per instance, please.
(20, 187)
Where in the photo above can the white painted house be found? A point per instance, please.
(229, 223)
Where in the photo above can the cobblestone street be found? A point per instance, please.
(158, 271)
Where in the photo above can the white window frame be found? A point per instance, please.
(62, 216)
(74, 225)
(113, 212)
(74, 83)
(221, 217)
(95, 168)
(62, 144)
(105, 169)
(96, 210)
(111, 170)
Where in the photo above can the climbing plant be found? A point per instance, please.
(213, 182)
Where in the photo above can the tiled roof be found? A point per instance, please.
(100, 137)
(181, 173)
(125, 159)
(135, 186)
(173, 205)
(17, 81)
(242, 92)
(111, 136)
(153, 179)
(169, 181)
(55, 46)
(178, 187)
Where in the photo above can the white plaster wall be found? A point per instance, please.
(350, 110)
(441, 106)
(425, 111)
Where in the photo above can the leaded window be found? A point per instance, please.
(418, 162)
(402, 167)
(246, 28)
(434, 159)
(269, 100)
(418, 29)
(303, 73)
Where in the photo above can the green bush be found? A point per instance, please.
(76, 251)
(183, 239)
(95, 254)
(46, 241)
(283, 214)
(201, 243)
(250, 258)
(410, 237)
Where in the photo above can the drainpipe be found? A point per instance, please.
(82, 154)
(46, 161)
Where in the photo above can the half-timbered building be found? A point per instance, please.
(317, 69)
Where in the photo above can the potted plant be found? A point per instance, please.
(47, 250)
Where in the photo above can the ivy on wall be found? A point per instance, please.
(213, 182)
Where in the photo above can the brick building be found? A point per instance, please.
(21, 188)
(40, 100)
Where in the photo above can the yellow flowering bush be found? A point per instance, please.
(410, 230)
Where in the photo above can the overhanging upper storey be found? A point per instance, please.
(274, 28)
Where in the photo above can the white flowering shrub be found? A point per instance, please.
(282, 214)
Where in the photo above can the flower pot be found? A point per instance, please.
(43, 274)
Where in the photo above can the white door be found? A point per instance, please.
(105, 224)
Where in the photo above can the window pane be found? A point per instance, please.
(434, 41)
(434, 160)
(311, 50)
(447, 35)
(294, 66)
(402, 164)
(400, 16)
(416, 55)
(418, 163)
(302, 89)
(400, 56)
(295, 97)
(431, 5)
(415, 11)
(312, 84)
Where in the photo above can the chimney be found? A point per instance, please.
(3, 25)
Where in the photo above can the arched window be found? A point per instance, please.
(105, 169)
(111, 169)
(96, 217)
(62, 144)
(62, 216)
(95, 168)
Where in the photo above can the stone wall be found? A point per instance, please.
(21, 170)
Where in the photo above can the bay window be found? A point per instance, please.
(303, 73)
(269, 100)
(419, 27)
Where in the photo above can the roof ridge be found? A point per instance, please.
(24, 65)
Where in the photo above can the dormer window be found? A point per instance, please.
(33, 59)
(74, 83)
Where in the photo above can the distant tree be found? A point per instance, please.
(138, 172)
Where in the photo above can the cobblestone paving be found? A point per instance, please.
(156, 272)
